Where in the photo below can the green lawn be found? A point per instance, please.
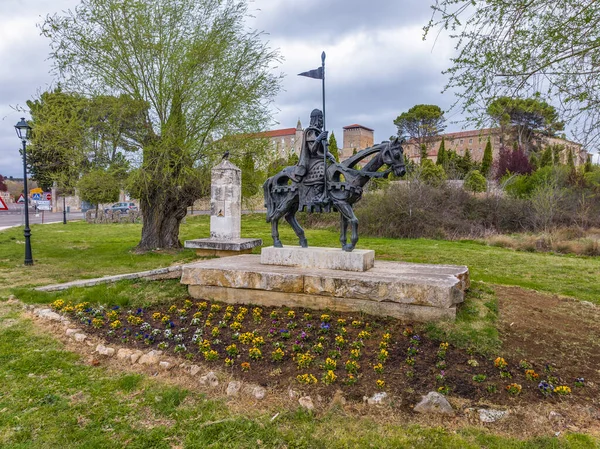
(79, 250)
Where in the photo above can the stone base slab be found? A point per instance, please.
(316, 257)
(419, 292)
(267, 298)
(221, 253)
(222, 247)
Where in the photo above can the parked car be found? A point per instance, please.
(122, 207)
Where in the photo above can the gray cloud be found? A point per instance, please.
(377, 65)
(317, 20)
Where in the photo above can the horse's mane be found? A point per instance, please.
(362, 154)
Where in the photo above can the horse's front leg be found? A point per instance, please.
(343, 230)
(275, 233)
(291, 219)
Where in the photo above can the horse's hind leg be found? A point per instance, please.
(291, 219)
(348, 215)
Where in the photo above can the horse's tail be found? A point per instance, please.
(269, 200)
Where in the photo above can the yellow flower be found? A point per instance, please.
(500, 363)
(291, 314)
(58, 304)
(562, 390)
(329, 377)
(115, 324)
(380, 383)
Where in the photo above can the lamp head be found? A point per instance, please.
(23, 129)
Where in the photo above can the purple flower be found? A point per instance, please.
(272, 331)
(325, 326)
(115, 307)
(416, 338)
(303, 335)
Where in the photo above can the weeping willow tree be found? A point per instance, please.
(523, 48)
(202, 74)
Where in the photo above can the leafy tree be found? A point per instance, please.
(524, 118)
(74, 134)
(333, 147)
(534, 161)
(423, 153)
(198, 69)
(56, 150)
(570, 161)
(97, 187)
(475, 182)
(546, 159)
(556, 150)
(588, 167)
(432, 174)
(441, 156)
(487, 161)
(513, 47)
(513, 162)
(422, 123)
(3, 186)
(465, 163)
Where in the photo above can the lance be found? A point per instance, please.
(326, 143)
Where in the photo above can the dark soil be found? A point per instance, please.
(548, 330)
(559, 339)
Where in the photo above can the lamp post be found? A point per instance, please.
(24, 132)
(64, 210)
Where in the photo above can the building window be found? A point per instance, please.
(462, 141)
(470, 140)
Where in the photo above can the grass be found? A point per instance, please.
(50, 398)
(80, 250)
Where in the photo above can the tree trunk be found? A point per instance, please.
(162, 215)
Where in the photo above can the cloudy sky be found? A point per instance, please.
(377, 64)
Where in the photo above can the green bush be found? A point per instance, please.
(433, 175)
(475, 182)
(523, 186)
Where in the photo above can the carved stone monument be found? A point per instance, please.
(225, 215)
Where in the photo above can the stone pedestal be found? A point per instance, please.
(225, 215)
(329, 258)
(416, 292)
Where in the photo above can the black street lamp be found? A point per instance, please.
(64, 210)
(24, 132)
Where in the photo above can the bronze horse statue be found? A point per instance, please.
(344, 185)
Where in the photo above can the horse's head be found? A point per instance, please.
(393, 157)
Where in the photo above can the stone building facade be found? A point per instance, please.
(356, 137)
(284, 141)
(476, 140)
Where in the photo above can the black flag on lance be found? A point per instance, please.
(316, 73)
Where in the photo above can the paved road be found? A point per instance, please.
(15, 216)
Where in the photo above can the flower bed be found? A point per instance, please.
(304, 349)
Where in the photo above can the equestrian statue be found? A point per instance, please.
(318, 183)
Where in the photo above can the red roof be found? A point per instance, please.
(356, 125)
(278, 133)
